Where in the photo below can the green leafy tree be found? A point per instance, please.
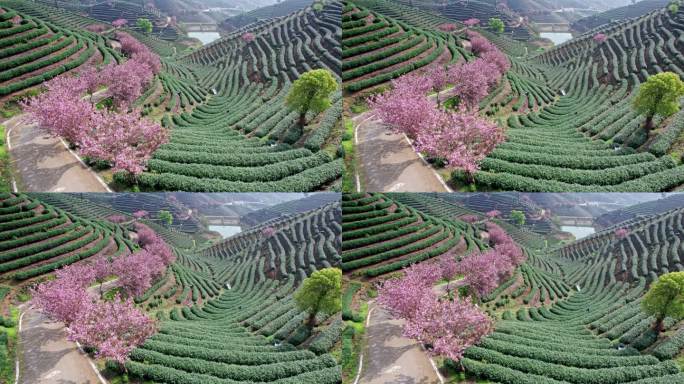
(518, 217)
(659, 95)
(665, 298)
(145, 25)
(673, 7)
(320, 293)
(496, 25)
(166, 217)
(311, 92)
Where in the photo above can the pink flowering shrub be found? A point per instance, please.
(248, 37)
(117, 219)
(600, 38)
(448, 27)
(621, 233)
(471, 22)
(469, 218)
(267, 232)
(96, 28)
(493, 213)
(140, 214)
(118, 23)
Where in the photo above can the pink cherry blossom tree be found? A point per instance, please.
(64, 297)
(62, 110)
(102, 268)
(471, 22)
(448, 27)
(463, 139)
(118, 23)
(248, 37)
(480, 272)
(125, 140)
(402, 296)
(117, 219)
(470, 218)
(405, 108)
(140, 214)
(439, 78)
(472, 81)
(448, 268)
(114, 328)
(268, 232)
(621, 233)
(600, 38)
(137, 271)
(499, 60)
(448, 327)
(478, 43)
(493, 214)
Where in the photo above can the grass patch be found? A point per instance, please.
(348, 180)
(5, 170)
(8, 347)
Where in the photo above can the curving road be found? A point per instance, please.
(388, 163)
(44, 164)
(46, 355)
(390, 358)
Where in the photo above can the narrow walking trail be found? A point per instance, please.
(46, 355)
(390, 358)
(388, 163)
(44, 164)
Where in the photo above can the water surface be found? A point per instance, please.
(205, 37)
(557, 37)
(579, 232)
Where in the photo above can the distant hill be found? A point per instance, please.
(618, 14)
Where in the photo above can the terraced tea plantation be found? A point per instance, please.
(34, 50)
(239, 321)
(567, 112)
(376, 47)
(383, 235)
(571, 313)
(599, 333)
(223, 103)
(37, 238)
(243, 138)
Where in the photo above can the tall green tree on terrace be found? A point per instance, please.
(496, 25)
(320, 293)
(311, 92)
(665, 298)
(659, 95)
(145, 25)
(165, 217)
(518, 217)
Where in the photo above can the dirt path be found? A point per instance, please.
(389, 163)
(44, 164)
(47, 357)
(391, 358)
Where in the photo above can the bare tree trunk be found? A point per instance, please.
(649, 123)
(302, 120)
